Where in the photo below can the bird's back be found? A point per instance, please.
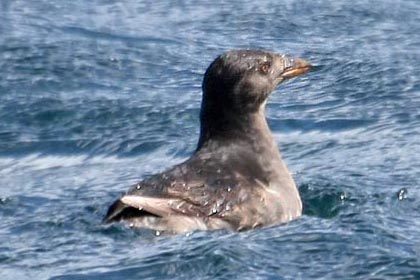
(219, 189)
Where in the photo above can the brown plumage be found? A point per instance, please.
(236, 178)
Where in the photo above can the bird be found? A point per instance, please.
(236, 178)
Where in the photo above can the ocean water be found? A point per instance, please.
(95, 95)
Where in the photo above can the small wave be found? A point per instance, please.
(324, 201)
(327, 125)
(75, 30)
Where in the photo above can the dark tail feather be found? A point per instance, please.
(114, 212)
(119, 211)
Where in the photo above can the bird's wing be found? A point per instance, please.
(207, 193)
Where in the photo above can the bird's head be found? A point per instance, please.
(241, 80)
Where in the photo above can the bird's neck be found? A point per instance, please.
(229, 128)
(245, 142)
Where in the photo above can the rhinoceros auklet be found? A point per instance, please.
(236, 178)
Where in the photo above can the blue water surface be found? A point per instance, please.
(95, 95)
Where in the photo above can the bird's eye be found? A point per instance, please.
(265, 67)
